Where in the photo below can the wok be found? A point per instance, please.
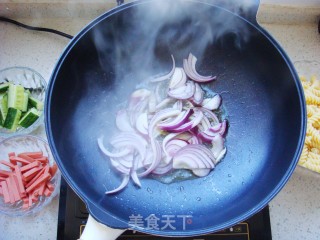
(262, 96)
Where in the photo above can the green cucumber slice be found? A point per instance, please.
(29, 118)
(12, 119)
(15, 96)
(3, 107)
(4, 87)
(25, 102)
(36, 103)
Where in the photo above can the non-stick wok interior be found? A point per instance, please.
(260, 94)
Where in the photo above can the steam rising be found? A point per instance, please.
(145, 38)
(138, 44)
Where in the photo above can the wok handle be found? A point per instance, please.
(97, 231)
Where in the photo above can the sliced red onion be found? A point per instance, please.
(186, 161)
(187, 125)
(150, 116)
(211, 115)
(178, 79)
(174, 146)
(224, 126)
(135, 112)
(198, 115)
(221, 155)
(212, 103)
(217, 145)
(137, 164)
(122, 121)
(188, 104)
(148, 159)
(187, 70)
(121, 153)
(176, 122)
(138, 96)
(142, 123)
(169, 137)
(183, 128)
(163, 168)
(184, 92)
(156, 132)
(123, 184)
(192, 60)
(136, 109)
(203, 150)
(194, 140)
(152, 103)
(136, 139)
(164, 103)
(142, 162)
(194, 131)
(157, 155)
(193, 74)
(193, 157)
(165, 141)
(130, 139)
(200, 151)
(126, 161)
(201, 172)
(215, 128)
(119, 167)
(207, 136)
(198, 94)
(204, 124)
(157, 91)
(219, 128)
(186, 136)
(167, 76)
(161, 115)
(135, 178)
(123, 164)
(178, 105)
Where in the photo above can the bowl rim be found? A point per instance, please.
(41, 139)
(37, 123)
(26, 68)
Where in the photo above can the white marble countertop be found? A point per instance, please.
(295, 212)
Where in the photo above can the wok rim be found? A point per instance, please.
(91, 205)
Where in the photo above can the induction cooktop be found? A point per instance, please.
(73, 216)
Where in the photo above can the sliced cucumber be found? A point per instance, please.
(4, 87)
(3, 107)
(29, 118)
(18, 107)
(36, 103)
(12, 119)
(25, 102)
(16, 96)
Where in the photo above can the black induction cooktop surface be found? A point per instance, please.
(73, 217)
